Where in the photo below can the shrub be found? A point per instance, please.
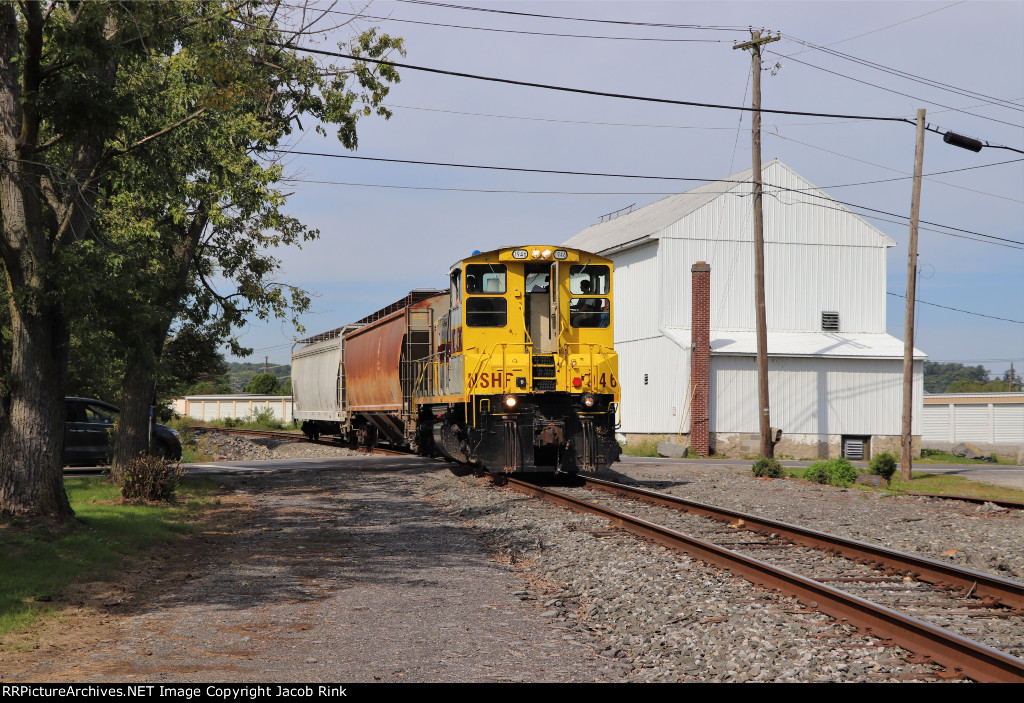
(767, 466)
(264, 417)
(883, 465)
(836, 472)
(147, 478)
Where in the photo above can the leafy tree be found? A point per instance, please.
(211, 208)
(938, 377)
(59, 112)
(137, 163)
(263, 384)
(964, 385)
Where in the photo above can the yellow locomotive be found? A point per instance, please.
(511, 369)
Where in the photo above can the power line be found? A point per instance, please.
(631, 124)
(966, 312)
(964, 92)
(896, 24)
(621, 96)
(583, 91)
(623, 175)
(357, 15)
(897, 92)
(577, 19)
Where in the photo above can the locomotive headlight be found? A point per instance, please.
(536, 253)
(510, 401)
(546, 253)
(589, 400)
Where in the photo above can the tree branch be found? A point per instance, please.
(155, 135)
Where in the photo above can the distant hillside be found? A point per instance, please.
(240, 373)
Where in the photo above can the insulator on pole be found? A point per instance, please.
(962, 141)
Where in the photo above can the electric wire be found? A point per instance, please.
(963, 92)
(577, 19)
(622, 175)
(966, 312)
(621, 96)
(584, 91)
(897, 92)
(375, 18)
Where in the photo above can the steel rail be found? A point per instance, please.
(949, 650)
(981, 585)
(291, 436)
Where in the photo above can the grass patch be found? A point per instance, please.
(935, 456)
(261, 421)
(945, 484)
(39, 562)
(644, 447)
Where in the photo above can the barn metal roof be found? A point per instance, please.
(808, 344)
(647, 223)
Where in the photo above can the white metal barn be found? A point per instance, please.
(835, 376)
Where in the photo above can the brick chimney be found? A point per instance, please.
(700, 360)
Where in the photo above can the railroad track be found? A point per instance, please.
(295, 437)
(288, 436)
(926, 606)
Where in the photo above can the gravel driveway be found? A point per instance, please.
(396, 570)
(331, 576)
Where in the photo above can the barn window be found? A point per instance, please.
(830, 321)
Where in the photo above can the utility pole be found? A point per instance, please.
(906, 437)
(767, 445)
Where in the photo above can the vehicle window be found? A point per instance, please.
(589, 312)
(537, 282)
(456, 292)
(99, 414)
(486, 312)
(590, 280)
(485, 279)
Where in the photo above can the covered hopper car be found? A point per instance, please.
(510, 369)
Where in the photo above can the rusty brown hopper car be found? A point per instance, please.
(355, 381)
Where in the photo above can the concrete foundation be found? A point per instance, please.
(746, 445)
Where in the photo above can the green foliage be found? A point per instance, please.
(264, 419)
(964, 385)
(263, 384)
(836, 472)
(40, 562)
(643, 447)
(150, 479)
(939, 377)
(883, 465)
(767, 466)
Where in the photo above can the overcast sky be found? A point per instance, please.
(404, 225)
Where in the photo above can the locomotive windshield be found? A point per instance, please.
(485, 279)
(589, 280)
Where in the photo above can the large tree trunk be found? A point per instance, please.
(32, 421)
(139, 385)
(137, 393)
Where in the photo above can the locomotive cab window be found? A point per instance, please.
(589, 312)
(485, 279)
(590, 280)
(456, 289)
(486, 312)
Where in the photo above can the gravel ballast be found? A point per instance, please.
(405, 572)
